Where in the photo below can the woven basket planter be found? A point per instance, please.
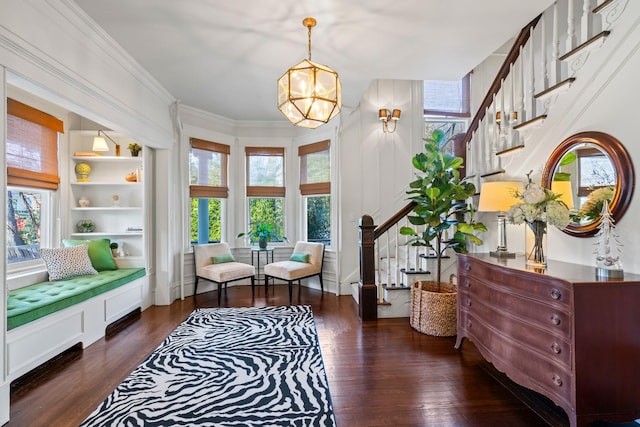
(433, 312)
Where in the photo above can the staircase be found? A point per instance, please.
(543, 65)
(546, 60)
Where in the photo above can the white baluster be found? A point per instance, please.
(397, 236)
(388, 278)
(487, 140)
(406, 239)
(504, 118)
(496, 127)
(556, 65)
(586, 27)
(416, 253)
(521, 106)
(571, 29)
(532, 78)
(513, 115)
(544, 76)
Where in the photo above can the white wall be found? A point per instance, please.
(374, 167)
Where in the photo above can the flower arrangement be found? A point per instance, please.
(592, 208)
(540, 206)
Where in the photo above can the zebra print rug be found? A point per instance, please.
(255, 366)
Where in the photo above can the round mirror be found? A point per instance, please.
(586, 169)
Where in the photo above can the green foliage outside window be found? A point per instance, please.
(23, 225)
(213, 221)
(269, 211)
(319, 219)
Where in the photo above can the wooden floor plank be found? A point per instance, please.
(380, 373)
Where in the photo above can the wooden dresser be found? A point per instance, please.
(560, 332)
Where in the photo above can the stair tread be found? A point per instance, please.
(597, 38)
(555, 88)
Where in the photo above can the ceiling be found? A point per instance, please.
(225, 57)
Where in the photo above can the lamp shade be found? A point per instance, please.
(564, 189)
(99, 144)
(498, 196)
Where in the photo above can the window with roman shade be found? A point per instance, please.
(208, 187)
(315, 187)
(208, 163)
(315, 168)
(32, 147)
(447, 98)
(265, 171)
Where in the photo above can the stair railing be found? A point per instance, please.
(533, 73)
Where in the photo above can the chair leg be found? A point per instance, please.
(220, 285)
(321, 284)
(195, 288)
(253, 286)
(266, 285)
(290, 292)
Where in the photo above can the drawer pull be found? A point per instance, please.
(467, 267)
(556, 380)
(468, 303)
(556, 294)
(555, 319)
(468, 323)
(555, 347)
(467, 283)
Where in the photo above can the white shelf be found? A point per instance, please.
(102, 183)
(103, 234)
(109, 208)
(107, 159)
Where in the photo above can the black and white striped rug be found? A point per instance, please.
(254, 366)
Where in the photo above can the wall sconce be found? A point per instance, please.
(498, 196)
(384, 115)
(512, 119)
(99, 143)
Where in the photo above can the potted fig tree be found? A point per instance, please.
(440, 219)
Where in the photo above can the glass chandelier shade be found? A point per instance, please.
(309, 94)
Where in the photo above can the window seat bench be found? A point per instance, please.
(47, 318)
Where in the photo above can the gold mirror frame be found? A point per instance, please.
(625, 178)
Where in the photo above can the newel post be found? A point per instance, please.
(367, 290)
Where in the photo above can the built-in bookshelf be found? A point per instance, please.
(110, 196)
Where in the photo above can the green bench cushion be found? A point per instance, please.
(35, 301)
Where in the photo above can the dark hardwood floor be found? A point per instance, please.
(380, 373)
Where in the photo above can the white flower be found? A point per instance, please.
(557, 214)
(534, 195)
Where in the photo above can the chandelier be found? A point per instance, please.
(309, 93)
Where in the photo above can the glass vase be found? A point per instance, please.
(535, 243)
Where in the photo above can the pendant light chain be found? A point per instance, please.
(309, 42)
(309, 23)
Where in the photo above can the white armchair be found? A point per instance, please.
(291, 271)
(214, 262)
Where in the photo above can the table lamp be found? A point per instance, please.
(499, 196)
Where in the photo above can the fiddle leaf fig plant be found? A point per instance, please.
(441, 203)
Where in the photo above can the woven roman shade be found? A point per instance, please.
(32, 147)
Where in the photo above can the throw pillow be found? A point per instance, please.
(65, 263)
(222, 258)
(299, 257)
(99, 252)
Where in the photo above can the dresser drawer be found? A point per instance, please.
(522, 365)
(552, 317)
(543, 288)
(542, 341)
